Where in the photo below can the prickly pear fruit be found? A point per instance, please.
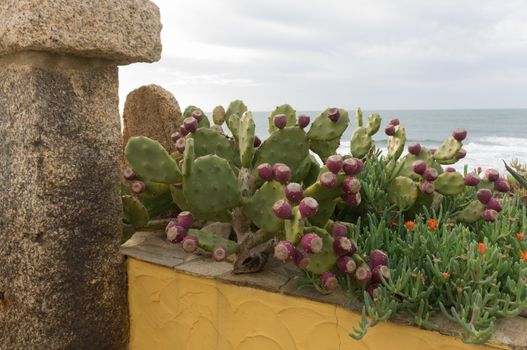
(419, 167)
(219, 253)
(311, 243)
(427, 187)
(284, 250)
(494, 204)
(346, 264)
(492, 174)
(282, 209)
(280, 121)
(129, 174)
(183, 131)
(308, 207)
(472, 179)
(339, 230)
(257, 142)
(414, 148)
(344, 246)
(363, 275)
(351, 185)
(459, 134)
(389, 130)
(189, 243)
(352, 199)
(282, 173)
(334, 163)
(372, 289)
(430, 174)
(502, 185)
(185, 219)
(190, 124)
(175, 136)
(484, 195)
(377, 257)
(329, 281)
(450, 170)
(352, 166)
(379, 272)
(265, 171)
(301, 259)
(490, 215)
(461, 154)
(395, 122)
(334, 114)
(180, 145)
(137, 187)
(175, 233)
(328, 179)
(303, 121)
(294, 192)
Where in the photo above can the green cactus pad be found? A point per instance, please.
(159, 204)
(408, 160)
(283, 109)
(212, 186)
(236, 107)
(208, 241)
(403, 192)
(449, 184)
(323, 129)
(246, 139)
(233, 123)
(326, 259)
(289, 146)
(448, 149)
(361, 142)
(151, 161)
(203, 123)
(322, 194)
(324, 149)
(208, 141)
(313, 173)
(188, 157)
(134, 212)
(259, 208)
(374, 123)
(472, 212)
(294, 227)
(396, 143)
(218, 115)
(299, 173)
(325, 210)
(178, 197)
(153, 189)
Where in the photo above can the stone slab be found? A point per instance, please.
(123, 31)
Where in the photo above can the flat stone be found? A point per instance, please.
(123, 31)
(153, 247)
(205, 267)
(153, 112)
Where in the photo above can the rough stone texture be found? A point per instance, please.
(124, 31)
(60, 272)
(153, 112)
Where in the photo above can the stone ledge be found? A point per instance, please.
(510, 333)
(123, 31)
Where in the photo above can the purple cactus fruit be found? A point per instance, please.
(363, 275)
(178, 185)
(280, 121)
(329, 281)
(494, 204)
(282, 173)
(459, 134)
(265, 171)
(346, 264)
(174, 232)
(219, 253)
(414, 148)
(175, 136)
(427, 187)
(394, 122)
(502, 185)
(129, 174)
(180, 145)
(301, 259)
(419, 167)
(334, 163)
(183, 131)
(490, 215)
(462, 153)
(257, 142)
(294, 192)
(339, 230)
(189, 243)
(344, 246)
(198, 115)
(351, 199)
(492, 174)
(430, 174)
(303, 121)
(328, 179)
(351, 185)
(432, 151)
(449, 169)
(389, 130)
(472, 179)
(334, 114)
(138, 187)
(379, 272)
(352, 166)
(484, 195)
(282, 209)
(372, 289)
(311, 243)
(377, 257)
(284, 250)
(185, 219)
(308, 207)
(190, 124)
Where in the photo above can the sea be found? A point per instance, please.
(494, 135)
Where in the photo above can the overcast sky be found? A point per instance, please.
(412, 54)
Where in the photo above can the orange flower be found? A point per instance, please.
(524, 256)
(481, 248)
(410, 225)
(519, 236)
(445, 275)
(432, 224)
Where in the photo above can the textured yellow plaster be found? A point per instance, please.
(173, 310)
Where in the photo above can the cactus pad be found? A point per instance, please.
(447, 150)
(188, 157)
(259, 207)
(323, 129)
(151, 161)
(218, 115)
(396, 143)
(313, 172)
(236, 107)
(294, 227)
(208, 141)
(402, 191)
(449, 184)
(134, 212)
(246, 139)
(361, 142)
(408, 160)
(283, 109)
(471, 213)
(374, 123)
(325, 210)
(207, 241)
(326, 259)
(203, 123)
(324, 149)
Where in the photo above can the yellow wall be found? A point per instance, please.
(173, 310)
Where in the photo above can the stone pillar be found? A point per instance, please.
(62, 281)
